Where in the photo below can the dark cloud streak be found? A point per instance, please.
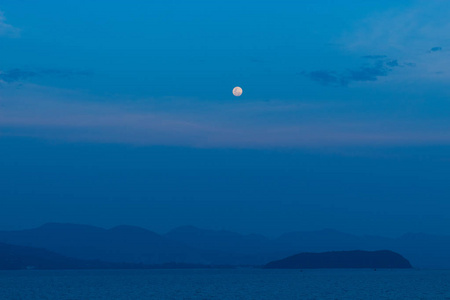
(15, 75)
(393, 63)
(327, 78)
(436, 49)
(381, 67)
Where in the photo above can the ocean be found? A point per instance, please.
(225, 284)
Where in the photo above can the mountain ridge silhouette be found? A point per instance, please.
(192, 245)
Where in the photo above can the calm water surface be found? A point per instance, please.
(225, 284)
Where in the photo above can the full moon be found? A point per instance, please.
(237, 91)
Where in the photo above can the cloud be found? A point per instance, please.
(327, 78)
(59, 115)
(17, 75)
(403, 29)
(7, 29)
(392, 63)
(364, 73)
(436, 49)
(368, 72)
(410, 33)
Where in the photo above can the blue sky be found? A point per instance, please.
(114, 112)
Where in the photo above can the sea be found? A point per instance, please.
(225, 284)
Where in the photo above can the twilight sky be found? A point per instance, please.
(115, 112)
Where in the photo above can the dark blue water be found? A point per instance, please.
(225, 284)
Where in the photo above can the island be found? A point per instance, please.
(383, 259)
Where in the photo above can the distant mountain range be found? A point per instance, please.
(191, 245)
(14, 257)
(358, 259)
(20, 257)
(119, 244)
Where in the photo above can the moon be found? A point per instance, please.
(237, 91)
